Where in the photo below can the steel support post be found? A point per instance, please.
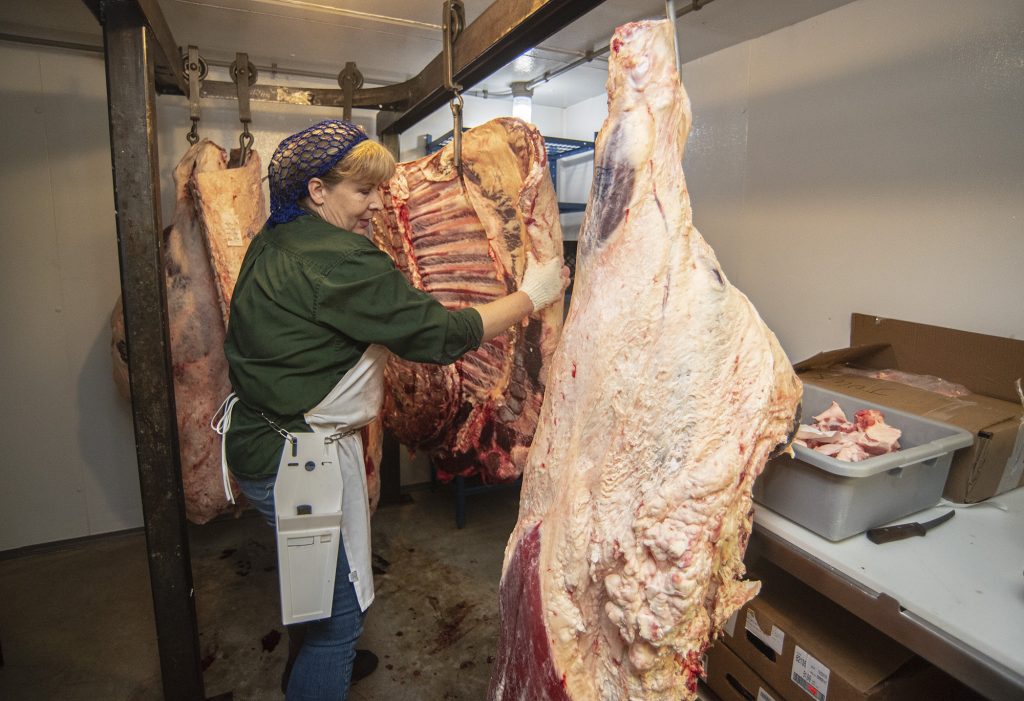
(131, 99)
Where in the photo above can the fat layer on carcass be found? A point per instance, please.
(464, 240)
(665, 397)
(232, 209)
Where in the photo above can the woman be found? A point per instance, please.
(314, 314)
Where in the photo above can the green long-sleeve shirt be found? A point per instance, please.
(310, 298)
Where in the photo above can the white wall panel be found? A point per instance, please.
(79, 154)
(715, 163)
(882, 168)
(576, 173)
(69, 464)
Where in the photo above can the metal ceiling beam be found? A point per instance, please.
(168, 73)
(318, 97)
(506, 29)
(396, 97)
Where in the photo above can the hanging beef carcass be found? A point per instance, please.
(217, 211)
(665, 397)
(464, 240)
(372, 435)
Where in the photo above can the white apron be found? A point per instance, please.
(354, 402)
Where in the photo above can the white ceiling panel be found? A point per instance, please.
(392, 40)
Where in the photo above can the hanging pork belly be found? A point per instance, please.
(665, 397)
(464, 240)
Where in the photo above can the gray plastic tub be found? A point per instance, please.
(837, 499)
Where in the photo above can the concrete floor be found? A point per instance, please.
(76, 623)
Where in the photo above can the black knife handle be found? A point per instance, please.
(890, 533)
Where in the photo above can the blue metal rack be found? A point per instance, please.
(557, 148)
(465, 486)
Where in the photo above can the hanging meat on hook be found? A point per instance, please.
(217, 211)
(665, 397)
(464, 240)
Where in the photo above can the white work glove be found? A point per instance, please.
(542, 282)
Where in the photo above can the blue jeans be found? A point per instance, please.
(323, 668)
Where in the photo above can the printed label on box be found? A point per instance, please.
(730, 625)
(773, 640)
(809, 674)
(763, 695)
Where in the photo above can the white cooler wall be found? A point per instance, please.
(576, 173)
(870, 159)
(68, 468)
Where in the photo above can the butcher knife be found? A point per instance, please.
(888, 534)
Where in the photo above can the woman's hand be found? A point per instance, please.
(544, 282)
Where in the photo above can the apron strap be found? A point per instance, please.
(221, 426)
(340, 435)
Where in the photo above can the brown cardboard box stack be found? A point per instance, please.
(793, 644)
(988, 366)
(733, 680)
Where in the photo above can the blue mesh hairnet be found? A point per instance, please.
(307, 154)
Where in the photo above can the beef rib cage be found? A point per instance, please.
(464, 240)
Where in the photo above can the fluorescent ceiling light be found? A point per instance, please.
(522, 101)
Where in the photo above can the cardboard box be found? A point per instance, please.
(806, 647)
(988, 366)
(732, 680)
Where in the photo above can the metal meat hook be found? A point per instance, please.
(453, 19)
(670, 14)
(350, 79)
(244, 77)
(195, 69)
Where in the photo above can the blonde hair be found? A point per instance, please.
(368, 161)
